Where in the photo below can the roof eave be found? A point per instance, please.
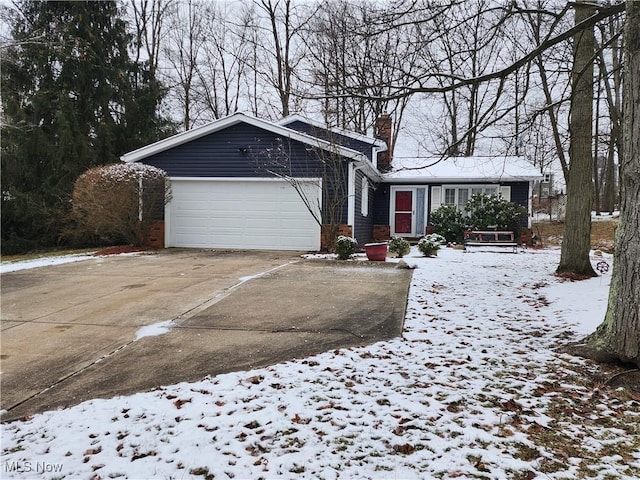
(380, 144)
(372, 172)
(453, 180)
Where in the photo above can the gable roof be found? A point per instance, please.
(462, 169)
(380, 144)
(239, 117)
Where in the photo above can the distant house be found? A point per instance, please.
(233, 183)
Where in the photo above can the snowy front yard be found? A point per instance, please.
(474, 389)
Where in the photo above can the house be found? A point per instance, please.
(415, 187)
(244, 182)
(231, 183)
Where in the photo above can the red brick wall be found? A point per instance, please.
(345, 230)
(381, 233)
(384, 125)
(526, 237)
(156, 235)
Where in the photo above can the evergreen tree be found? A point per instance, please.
(72, 99)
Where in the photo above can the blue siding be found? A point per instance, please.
(520, 196)
(245, 151)
(333, 137)
(519, 192)
(363, 228)
(381, 204)
(328, 191)
(240, 150)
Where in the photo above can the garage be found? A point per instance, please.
(245, 213)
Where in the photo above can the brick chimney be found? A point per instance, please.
(383, 132)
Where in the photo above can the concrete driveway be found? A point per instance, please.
(69, 332)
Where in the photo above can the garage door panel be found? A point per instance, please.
(240, 214)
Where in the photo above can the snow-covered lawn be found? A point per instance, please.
(473, 389)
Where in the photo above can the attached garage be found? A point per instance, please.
(253, 213)
(229, 189)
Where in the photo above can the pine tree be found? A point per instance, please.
(72, 99)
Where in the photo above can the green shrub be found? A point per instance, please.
(481, 212)
(493, 211)
(345, 247)
(399, 246)
(430, 244)
(449, 222)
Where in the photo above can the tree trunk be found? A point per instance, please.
(618, 337)
(596, 149)
(609, 179)
(576, 243)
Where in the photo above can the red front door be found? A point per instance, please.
(403, 213)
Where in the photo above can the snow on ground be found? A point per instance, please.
(155, 329)
(7, 267)
(473, 389)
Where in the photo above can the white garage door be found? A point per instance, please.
(248, 214)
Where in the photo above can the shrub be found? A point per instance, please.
(449, 222)
(345, 247)
(119, 203)
(494, 211)
(399, 246)
(430, 244)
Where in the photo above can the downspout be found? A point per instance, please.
(530, 207)
(140, 194)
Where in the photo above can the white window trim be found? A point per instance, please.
(351, 195)
(364, 197)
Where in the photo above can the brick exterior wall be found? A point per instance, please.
(345, 230)
(156, 235)
(526, 237)
(381, 233)
(384, 125)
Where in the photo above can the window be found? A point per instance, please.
(364, 198)
(450, 196)
(463, 196)
(459, 195)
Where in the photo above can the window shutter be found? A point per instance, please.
(364, 197)
(506, 193)
(436, 198)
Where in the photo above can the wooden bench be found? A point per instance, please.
(490, 238)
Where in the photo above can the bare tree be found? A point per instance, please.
(576, 244)
(280, 55)
(149, 17)
(323, 162)
(183, 51)
(225, 55)
(609, 63)
(618, 338)
(541, 23)
(348, 54)
(475, 46)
